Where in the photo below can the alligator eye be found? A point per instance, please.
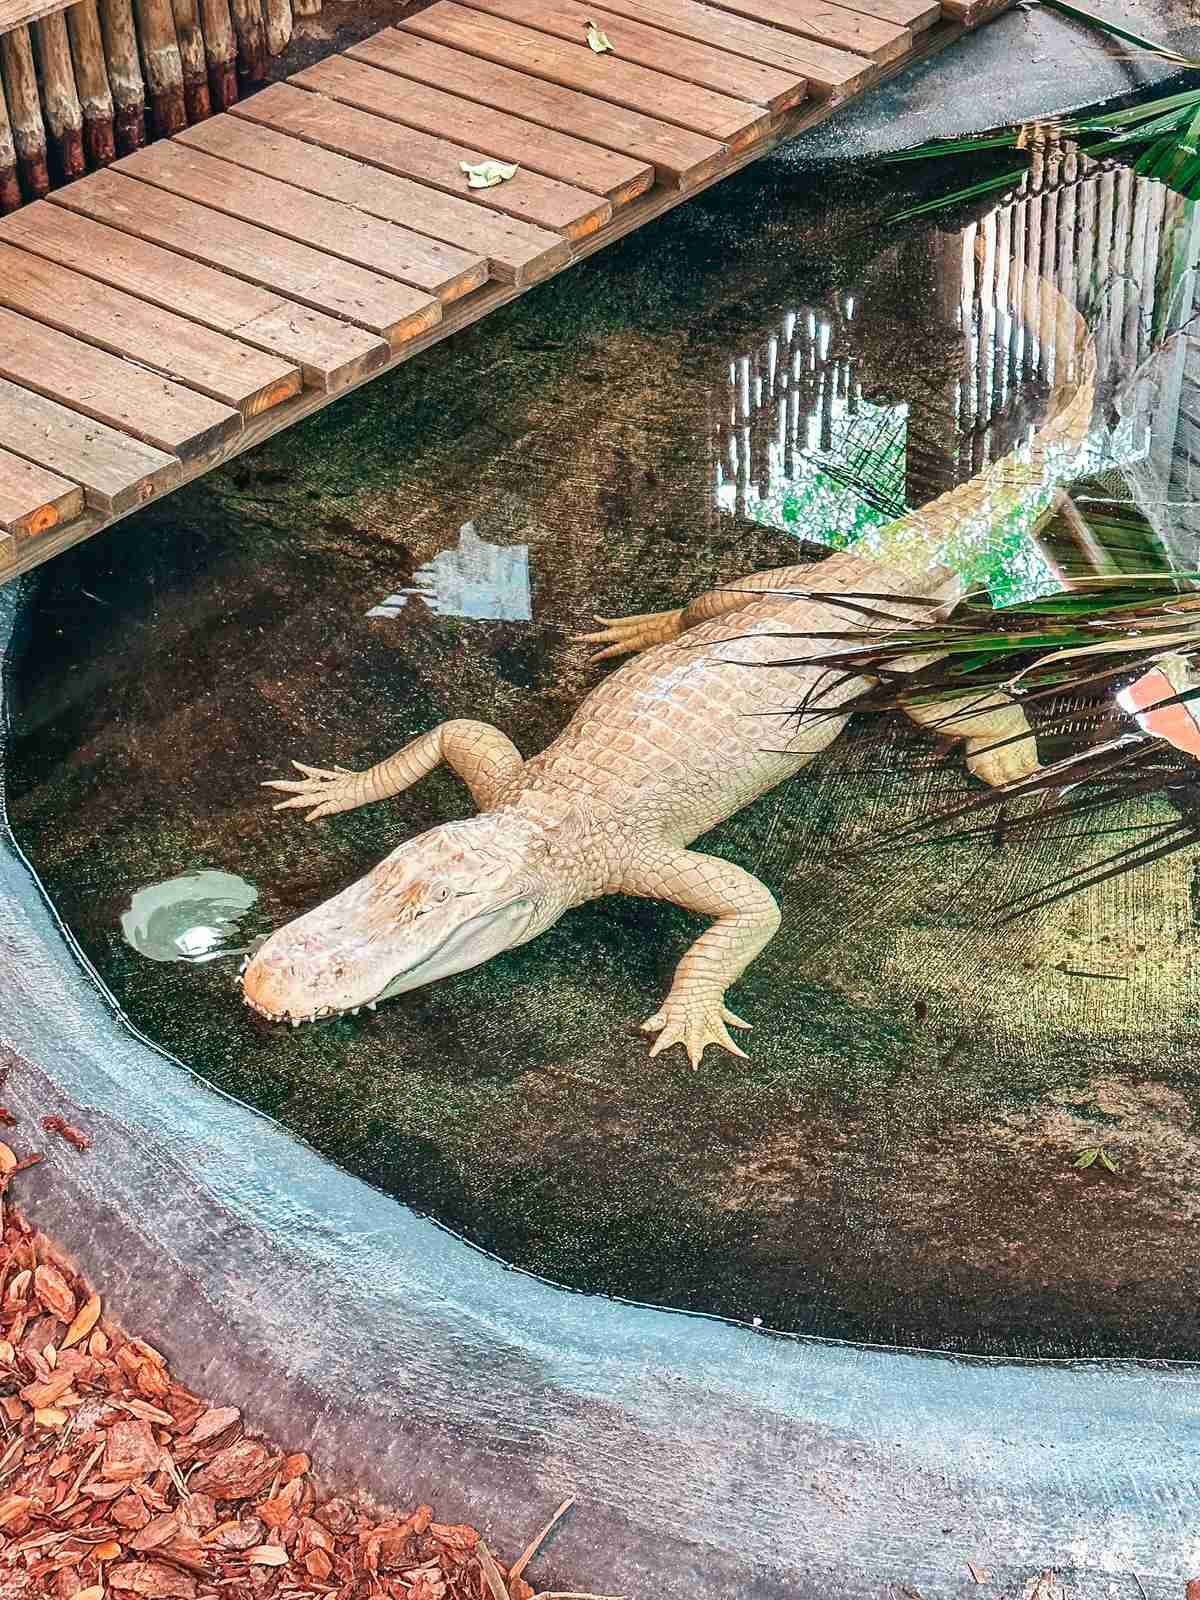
(442, 895)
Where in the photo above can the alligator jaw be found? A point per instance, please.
(311, 1016)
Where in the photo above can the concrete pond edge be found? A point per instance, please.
(708, 1459)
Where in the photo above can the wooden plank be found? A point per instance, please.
(115, 472)
(618, 178)
(13, 13)
(694, 62)
(32, 499)
(736, 123)
(216, 365)
(830, 73)
(678, 157)
(381, 305)
(472, 309)
(330, 353)
(827, 23)
(118, 393)
(915, 14)
(197, 174)
(280, 117)
(545, 202)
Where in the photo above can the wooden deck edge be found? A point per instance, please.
(18, 13)
(30, 552)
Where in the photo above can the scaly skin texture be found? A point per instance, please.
(674, 741)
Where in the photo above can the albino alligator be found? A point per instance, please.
(669, 745)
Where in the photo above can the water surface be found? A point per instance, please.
(769, 371)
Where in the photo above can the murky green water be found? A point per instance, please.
(768, 370)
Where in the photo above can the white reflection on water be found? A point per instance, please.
(486, 582)
(190, 918)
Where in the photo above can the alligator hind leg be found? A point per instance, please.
(694, 1013)
(626, 636)
(485, 759)
(999, 743)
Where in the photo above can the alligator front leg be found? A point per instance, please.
(484, 758)
(694, 1013)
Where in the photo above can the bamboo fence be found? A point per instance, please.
(1106, 238)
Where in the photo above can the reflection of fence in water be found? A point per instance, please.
(794, 412)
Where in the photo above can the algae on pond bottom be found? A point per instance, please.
(895, 1160)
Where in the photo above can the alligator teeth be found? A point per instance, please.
(371, 1005)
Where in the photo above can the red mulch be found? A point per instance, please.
(117, 1482)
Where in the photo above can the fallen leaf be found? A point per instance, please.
(85, 1320)
(7, 1118)
(487, 174)
(236, 1535)
(598, 40)
(96, 1592)
(295, 1466)
(1107, 1161)
(978, 1573)
(54, 1292)
(8, 1160)
(50, 1417)
(65, 1131)
(1086, 1158)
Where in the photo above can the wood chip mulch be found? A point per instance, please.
(118, 1483)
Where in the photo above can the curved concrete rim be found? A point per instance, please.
(709, 1459)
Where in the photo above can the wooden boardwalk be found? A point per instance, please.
(175, 308)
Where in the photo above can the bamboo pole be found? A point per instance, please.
(124, 74)
(164, 70)
(220, 47)
(25, 110)
(60, 99)
(190, 39)
(278, 15)
(251, 38)
(10, 188)
(91, 77)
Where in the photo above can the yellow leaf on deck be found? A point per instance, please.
(597, 38)
(486, 174)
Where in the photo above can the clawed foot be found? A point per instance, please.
(325, 791)
(695, 1024)
(626, 636)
